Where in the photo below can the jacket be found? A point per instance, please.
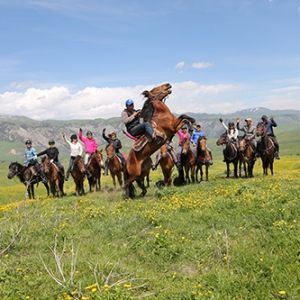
(76, 149)
(116, 142)
(52, 153)
(30, 156)
(90, 144)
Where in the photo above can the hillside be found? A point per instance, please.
(14, 130)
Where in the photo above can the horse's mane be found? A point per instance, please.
(148, 108)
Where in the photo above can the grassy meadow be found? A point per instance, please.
(222, 239)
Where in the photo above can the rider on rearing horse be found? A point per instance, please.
(131, 118)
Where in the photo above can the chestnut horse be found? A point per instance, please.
(145, 173)
(78, 171)
(54, 176)
(267, 148)
(27, 175)
(247, 155)
(203, 158)
(114, 165)
(231, 153)
(94, 165)
(187, 159)
(155, 111)
(166, 164)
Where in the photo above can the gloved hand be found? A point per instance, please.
(103, 131)
(271, 118)
(35, 157)
(51, 160)
(221, 120)
(80, 129)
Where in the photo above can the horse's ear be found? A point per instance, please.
(146, 93)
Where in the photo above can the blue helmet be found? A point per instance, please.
(128, 102)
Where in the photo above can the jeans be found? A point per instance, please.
(142, 128)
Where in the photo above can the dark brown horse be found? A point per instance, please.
(267, 148)
(247, 155)
(203, 158)
(166, 164)
(187, 159)
(94, 165)
(27, 175)
(231, 153)
(114, 165)
(54, 176)
(78, 171)
(166, 124)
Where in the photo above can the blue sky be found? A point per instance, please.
(73, 59)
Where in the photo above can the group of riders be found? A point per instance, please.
(135, 128)
(250, 133)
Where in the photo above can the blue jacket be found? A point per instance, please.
(30, 156)
(269, 127)
(196, 135)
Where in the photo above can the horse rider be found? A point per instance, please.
(169, 145)
(269, 124)
(131, 118)
(90, 146)
(249, 132)
(76, 149)
(196, 134)
(30, 159)
(232, 134)
(52, 152)
(117, 145)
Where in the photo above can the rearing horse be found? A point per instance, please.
(267, 148)
(231, 153)
(157, 112)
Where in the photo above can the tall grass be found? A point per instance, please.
(223, 239)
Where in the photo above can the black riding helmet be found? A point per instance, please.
(28, 142)
(230, 124)
(51, 142)
(89, 133)
(73, 137)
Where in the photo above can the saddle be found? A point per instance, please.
(33, 171)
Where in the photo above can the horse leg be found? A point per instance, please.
(142, 186)
(206, 171)
(235, 169)
(193, 173)
(228, 169)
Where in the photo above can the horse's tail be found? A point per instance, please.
(131, 188)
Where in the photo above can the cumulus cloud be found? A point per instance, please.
(202, 65)
(180, 65)
(60, 103)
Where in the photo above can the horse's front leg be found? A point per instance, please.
(228, 169)
(142, 186)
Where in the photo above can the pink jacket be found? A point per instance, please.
(89, 144)
(182, 136)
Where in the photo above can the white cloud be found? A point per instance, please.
(20, 85)
(202, 65)
(180, 65)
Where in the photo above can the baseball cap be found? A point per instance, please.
(248, 119)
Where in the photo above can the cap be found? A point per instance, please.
(113, 133)
(28, 142)
(264, 117)
(198, 125)
(184, 127)
(129, 102)
(248, 119)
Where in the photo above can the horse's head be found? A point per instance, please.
(46, 164)
(242, 143)
(260, 129)
(110, 151)
(163, 150)
(79, 162)
(99, 157)
(156, 94)
(13, 170)
(185, 146)
(223, 139)
(202, 143)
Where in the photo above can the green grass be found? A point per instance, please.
(224, 239)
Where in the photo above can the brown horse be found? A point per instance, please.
(94, 165)
(187, 159)
(267, 148)
(145, 172)
(78, 171)
(155, 111)
(203, 158)
(247, 155)
(231, 153)
(166, 164)
(114, 165)
(54, 176)
(27, 175)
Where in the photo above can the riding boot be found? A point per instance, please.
(154, 166)
(43, 177)
(105, 173)
(211, 158)
(88, 173)
(276, 154)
